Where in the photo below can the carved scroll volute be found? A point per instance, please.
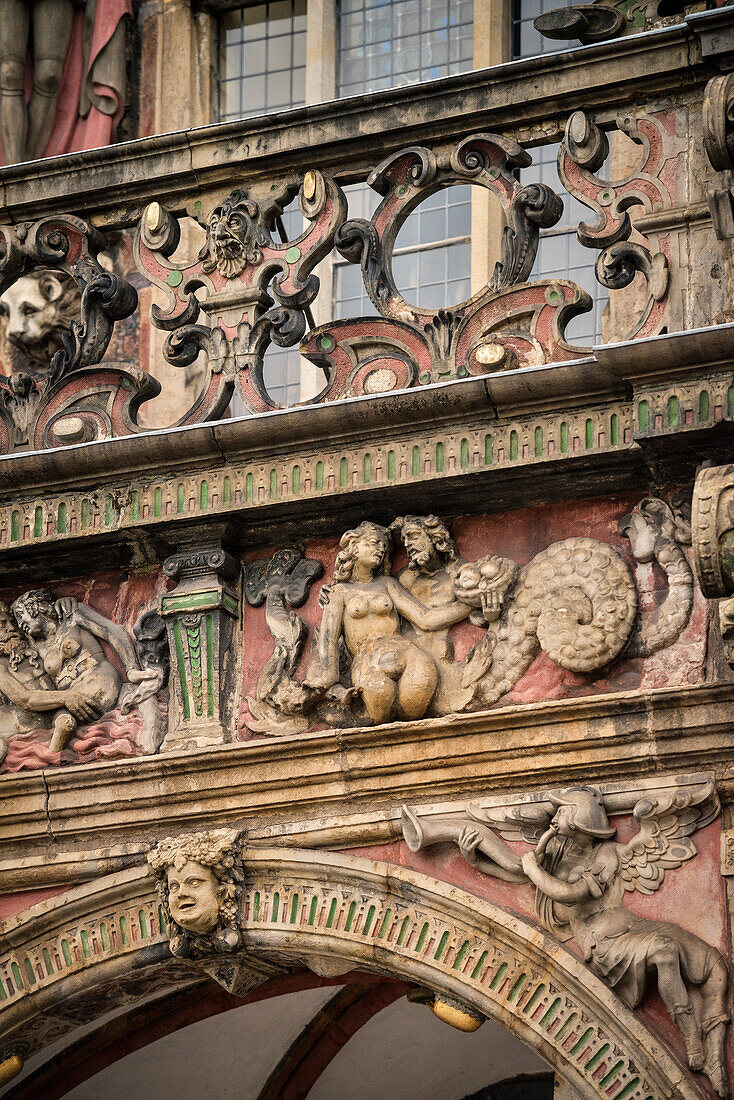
(200, 615)
(651, 185)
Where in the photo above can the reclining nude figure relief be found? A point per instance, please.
(581, 875)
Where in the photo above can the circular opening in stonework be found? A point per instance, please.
(432, 258)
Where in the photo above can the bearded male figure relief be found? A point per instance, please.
(581, 874)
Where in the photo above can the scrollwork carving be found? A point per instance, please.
(582, 153)
(419, 345)
(255, 289)
(581, 874)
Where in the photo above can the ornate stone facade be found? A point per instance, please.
(418, 687)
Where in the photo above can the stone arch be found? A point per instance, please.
(334, 912)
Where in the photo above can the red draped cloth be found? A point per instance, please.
(91, 99)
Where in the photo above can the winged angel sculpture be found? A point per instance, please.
(581, 874)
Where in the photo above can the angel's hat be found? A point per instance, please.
(590, 815)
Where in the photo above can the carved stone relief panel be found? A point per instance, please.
(582, 875)
(446, 633)
(77, 685)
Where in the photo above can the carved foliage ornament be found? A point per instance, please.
(581, 874)
(384, 652)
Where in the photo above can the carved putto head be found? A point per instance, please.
(425, 539)
(199, 879)
(37, 310)
(370, 541)
(233, 236)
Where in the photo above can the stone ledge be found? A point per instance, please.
(342, 787)
(188, 164)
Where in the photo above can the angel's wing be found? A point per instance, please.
(526, 823)
(664, 840)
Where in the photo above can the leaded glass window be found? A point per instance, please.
(387, 43)
(262, 58)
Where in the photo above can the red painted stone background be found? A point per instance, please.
(692, 896)
(520, 535)
(121, 597)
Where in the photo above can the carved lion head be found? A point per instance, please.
(37, 310)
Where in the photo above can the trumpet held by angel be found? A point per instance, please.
(582, 874)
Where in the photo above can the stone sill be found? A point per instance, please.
(344, 788)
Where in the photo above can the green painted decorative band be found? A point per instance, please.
(182, 671)
(230, 604)
(192, 601)
(210, 665)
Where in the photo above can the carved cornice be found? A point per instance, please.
(343, 787)
(458, 436)
(194, 163)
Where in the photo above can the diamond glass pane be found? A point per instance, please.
(262, 58)
(389, 43)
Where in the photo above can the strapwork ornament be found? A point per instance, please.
(244, 290)
(510, 322)
(652, 185)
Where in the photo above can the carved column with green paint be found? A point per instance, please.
(201, 615)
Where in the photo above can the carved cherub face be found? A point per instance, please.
(193, 897)
(38, 309)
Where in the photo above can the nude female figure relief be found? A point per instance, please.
(363, 607)
(576, 600)
(581, 874)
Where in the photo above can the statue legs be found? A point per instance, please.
(706, 1017)
(14, 25)
(52, 25)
